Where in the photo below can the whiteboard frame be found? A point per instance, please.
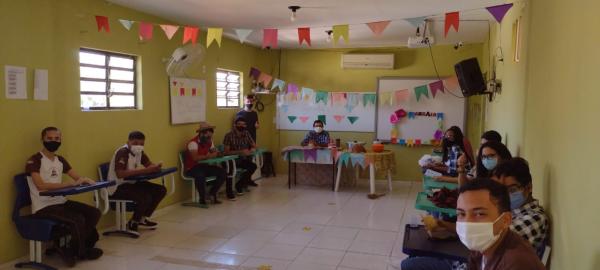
(463, 128)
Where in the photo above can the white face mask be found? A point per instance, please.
(318, 129)
(136, 149)
(477, 236)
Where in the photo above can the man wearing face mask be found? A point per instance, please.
(239, 142)
(317, 137)
(44, 172)
(130, 160)
(200, 148)
(529, 219)
(483, 226)
(250, 115)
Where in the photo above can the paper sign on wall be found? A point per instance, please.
(40, 87)
(15, 80)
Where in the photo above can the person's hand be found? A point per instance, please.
(213, 154)
(437, 178)
(77, 182)
(462, 160)
(154, 168)
(246, 152)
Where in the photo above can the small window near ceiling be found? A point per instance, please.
(107, 80)
(229, 85)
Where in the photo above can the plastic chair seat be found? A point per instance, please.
(37, 229)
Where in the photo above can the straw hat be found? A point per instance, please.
(204, 126)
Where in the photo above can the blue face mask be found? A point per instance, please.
(489, 163)
(517, 199)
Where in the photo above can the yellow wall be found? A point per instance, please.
(549, 108)
(320, 69)
(47, 34)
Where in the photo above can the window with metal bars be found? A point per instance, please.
(107, 80)
(228, 88)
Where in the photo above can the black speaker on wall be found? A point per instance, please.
(470, 77)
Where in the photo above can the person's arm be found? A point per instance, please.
(193, 151)
(448, 179)
(123, 172)
(306, 139)
(461, 169)
(80, 179)
(43, 186)
(251, 141)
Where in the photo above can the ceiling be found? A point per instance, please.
(320, 15)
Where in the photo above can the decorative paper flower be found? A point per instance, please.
(394, 118)
(400, 113)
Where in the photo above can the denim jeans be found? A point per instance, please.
(426, 263)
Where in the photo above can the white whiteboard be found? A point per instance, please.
(338, 116)
(422, 128)
(188, 100)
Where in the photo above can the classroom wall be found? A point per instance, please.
(47, 34)
(321, 69)
(551, 99)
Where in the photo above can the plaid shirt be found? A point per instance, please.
(238, 140)
(319, 138)
(530, 222)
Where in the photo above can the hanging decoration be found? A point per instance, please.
(304, 35)
(401, 96)
(378, 27)
(292, 118)
(321, 96)
(254, 73)
(279, 84)
(243, 34)
(265, 79)
(452, 20)
(269, 38)
(169, 30)
(190, 34)
(213, 34)
(307, 94)
(303, 119)
(435, 87)
(369, 99)
(126, 24)
(102, 23)
(417, 21)
(352, 119)
(338, 118)
(323, 118)
(499, 11)
(145, 31)
(340, 31)
(421, 91)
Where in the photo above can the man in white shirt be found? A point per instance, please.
(44, 172)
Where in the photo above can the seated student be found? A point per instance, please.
(491, 135)
(239, 142)
(527, 221)
(317, 136)
(44, 172)
(130, 160)
(200, 148)
(489, 156)
(452, 147)
(483, 226)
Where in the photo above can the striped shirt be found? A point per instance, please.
(238, 140)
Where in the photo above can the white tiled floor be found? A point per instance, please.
(305, 228)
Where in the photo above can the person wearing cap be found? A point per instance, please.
(239, 142)
(250, 115)
(200, 148)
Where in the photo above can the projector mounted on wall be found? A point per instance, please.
(420, 42)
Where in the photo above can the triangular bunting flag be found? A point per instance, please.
(278, 84)
(421, 90)
(369, 98)
(436, 86)
(303, 119)
(499, 11)
(416, 21)
(213, 34)
(338, 118)
(292, 119)
(307, 93)
(169, 30)
(323, 119)
(243, 34)
(269, 38)
(304, 35)
(452, 20)
(385, 98)
(145, 30)
(322, 96)
(340, 31)
(378, 27)
(265, 79)
(126, 23)
(401, 96)
(352, 119)
(102, 23)
(293, 89)
(190, 34)
(254, 73)
(451, 83)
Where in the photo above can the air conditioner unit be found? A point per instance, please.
(368, 61)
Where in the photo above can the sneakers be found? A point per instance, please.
(215, 200)
(132, 227)
(93, 253)
(252, 184)
(147, 224)
(231, 197)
